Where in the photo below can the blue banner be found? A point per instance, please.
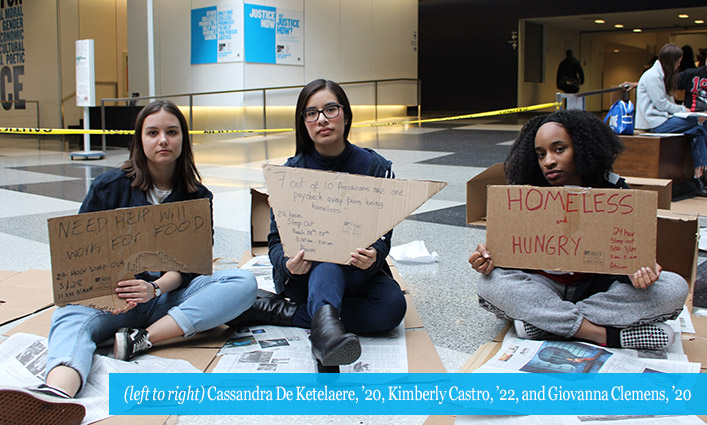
(259, 24)
(204, 35)
(408, 394)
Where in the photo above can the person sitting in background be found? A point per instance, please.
(575, 148)
(655, 109)
(688, 59)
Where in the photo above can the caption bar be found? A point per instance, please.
(407, 394)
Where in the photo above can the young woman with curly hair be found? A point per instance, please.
(576, 148)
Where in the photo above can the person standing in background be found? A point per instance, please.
(570, 74)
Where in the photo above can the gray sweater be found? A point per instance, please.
(654, 105)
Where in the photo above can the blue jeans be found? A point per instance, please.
(206, 302)
(690, 127)
(366, 302)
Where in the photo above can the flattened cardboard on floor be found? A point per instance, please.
(571, 228)
(91, 252)
(24, 293)
(329, 215)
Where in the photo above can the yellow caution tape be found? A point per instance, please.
(461, 117)
(61, 131)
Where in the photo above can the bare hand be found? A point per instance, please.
(298, 265)
(128, 307)
(136, 291)
(645, 276)
(480, 260)
(701, 119)
(364, 258)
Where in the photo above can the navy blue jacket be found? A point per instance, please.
(354, 160)
(112, 190)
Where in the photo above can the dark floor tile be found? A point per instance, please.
(77, 170)
(69, 190)
(454, 216)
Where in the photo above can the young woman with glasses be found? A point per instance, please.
(335, 301)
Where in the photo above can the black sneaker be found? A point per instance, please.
(651, 336)
(527, 331)
(130, 342)
(40, 405)
(697, 186)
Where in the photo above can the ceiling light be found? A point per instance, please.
(699, 21)
(616, 50)
(683, 16)
(618, 25)
(637, 30)
(599, 21)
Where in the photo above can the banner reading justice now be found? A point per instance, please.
(408, 394)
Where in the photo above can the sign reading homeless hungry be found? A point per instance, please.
(329, 214)
(571, 228)
(92, 252)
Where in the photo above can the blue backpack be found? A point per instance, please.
(620, 117)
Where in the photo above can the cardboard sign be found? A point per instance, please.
(330, 214)
(92, 252)
(571, 228)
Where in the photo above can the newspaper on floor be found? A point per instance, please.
(23, 358)
(684, 322)
(578, 420)
(288, 350)
(525, 355)
(261, 268)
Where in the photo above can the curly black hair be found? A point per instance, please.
(595, 149)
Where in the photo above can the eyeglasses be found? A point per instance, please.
(330, 112)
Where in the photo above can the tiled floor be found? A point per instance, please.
(38, 181)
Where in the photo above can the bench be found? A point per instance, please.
(664, 157)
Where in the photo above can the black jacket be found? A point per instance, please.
(379, 167)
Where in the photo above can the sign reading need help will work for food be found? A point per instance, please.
(571, 228)
(92, 252)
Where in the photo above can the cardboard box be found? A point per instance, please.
(329, 214)
(91, 252)
(259, 221)
(664, 188)
(571, 228)
(678, 243)
(476, 193)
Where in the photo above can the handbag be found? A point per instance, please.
(620, 117)
(569, 84)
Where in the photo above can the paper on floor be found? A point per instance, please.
(413, 252)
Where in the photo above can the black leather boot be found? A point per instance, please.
(266, 311)
(331, 345)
